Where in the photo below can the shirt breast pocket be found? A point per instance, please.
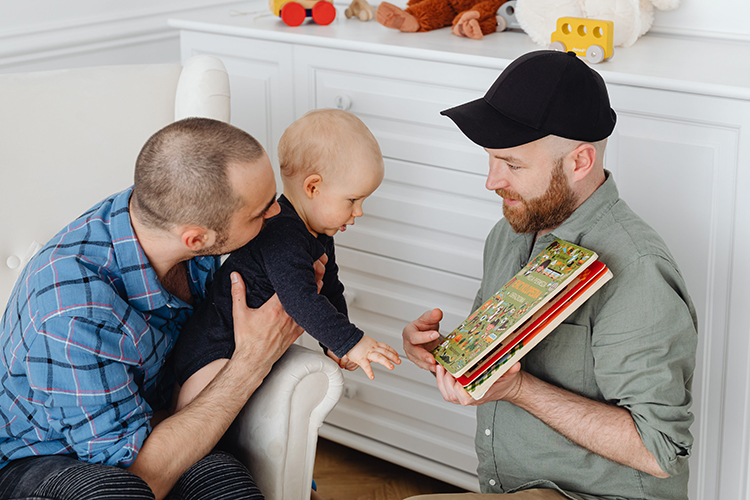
(564, 359)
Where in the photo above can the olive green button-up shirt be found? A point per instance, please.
(632, 344)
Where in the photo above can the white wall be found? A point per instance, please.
(718, 18)
(51, 34)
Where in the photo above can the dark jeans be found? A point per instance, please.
(218, 476)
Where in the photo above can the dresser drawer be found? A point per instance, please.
(432, 209)
(400, 100)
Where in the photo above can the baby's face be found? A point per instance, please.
(339, 199)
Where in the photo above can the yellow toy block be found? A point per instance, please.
(588, 38)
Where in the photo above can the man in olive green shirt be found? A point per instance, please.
(600, 408)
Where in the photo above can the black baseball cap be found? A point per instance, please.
(541, 93)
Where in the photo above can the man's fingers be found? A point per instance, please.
(319, 266)
(418, 338)
(442, 386)
(239, 301)
(451, 390)
(514, 369)
(425, 362)
(421, 357)
(430, 320)
(416, 345)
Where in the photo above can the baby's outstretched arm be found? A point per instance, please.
(370, 350)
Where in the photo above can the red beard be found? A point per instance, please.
(544, 212)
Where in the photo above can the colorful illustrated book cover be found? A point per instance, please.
(541, 279)
(481, 377)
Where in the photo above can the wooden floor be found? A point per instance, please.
(342, 473)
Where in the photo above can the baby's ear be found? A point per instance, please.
(311, 185)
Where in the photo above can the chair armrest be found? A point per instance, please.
(276, 434)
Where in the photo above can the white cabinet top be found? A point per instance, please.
(699, 66)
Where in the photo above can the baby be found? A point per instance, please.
(330, 162)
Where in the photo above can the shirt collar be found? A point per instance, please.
(590, 212)
(287, 209)
(142, 286)
(586, 216)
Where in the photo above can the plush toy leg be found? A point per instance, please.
(433, 14)
(391, 16)
(466, 24)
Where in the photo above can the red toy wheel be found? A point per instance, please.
(293, 14)
(323, 12)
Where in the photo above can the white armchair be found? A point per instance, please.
(70, 138)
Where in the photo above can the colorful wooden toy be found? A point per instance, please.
(294, 13)
(591, 39)
(360, 9)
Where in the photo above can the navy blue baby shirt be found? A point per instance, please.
(279, 260)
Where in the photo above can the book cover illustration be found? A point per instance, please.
(514, 303)
(481, 377)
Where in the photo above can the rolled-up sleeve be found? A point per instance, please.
(644, 344)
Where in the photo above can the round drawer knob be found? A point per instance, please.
(342, 102)
(350, 391)
(13, 262)
(350, 296)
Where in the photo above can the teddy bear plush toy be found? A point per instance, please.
(632, 18)
(468, 18)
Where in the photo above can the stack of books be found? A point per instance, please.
(522, 313)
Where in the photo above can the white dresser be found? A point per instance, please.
(680, 155)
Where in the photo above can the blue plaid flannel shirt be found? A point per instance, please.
(85, 338)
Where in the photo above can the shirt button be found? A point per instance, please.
(487, 432)
(492, 482)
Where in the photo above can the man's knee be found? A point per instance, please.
(218, 476)
(94, 482)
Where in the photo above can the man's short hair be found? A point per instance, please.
(181, 174)
(319, 140)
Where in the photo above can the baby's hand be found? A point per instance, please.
(368, 349)
(344, 362)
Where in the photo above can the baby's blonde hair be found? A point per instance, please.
(319, 141)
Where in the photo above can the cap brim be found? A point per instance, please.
(489, 128)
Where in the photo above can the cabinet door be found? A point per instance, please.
(418, 246)
(676, 158)
(260, 77)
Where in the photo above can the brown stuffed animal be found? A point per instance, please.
(469, 18)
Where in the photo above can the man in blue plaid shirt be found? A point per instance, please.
(87, 332)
